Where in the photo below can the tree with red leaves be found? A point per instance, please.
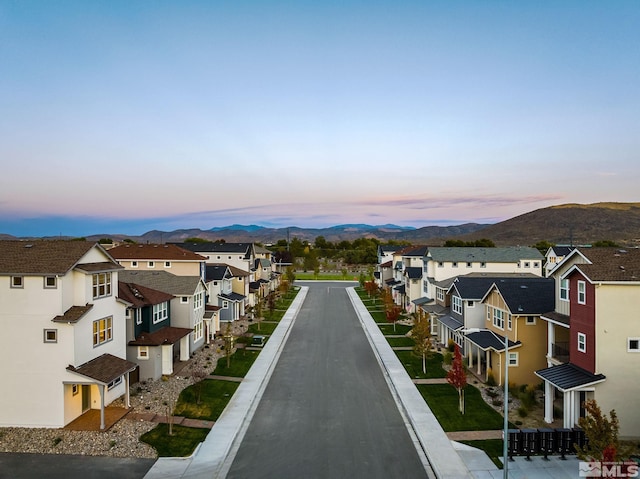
(393, 314)
(457, 377)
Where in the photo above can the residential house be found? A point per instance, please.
(385, 264)
(240, 255)
(512, 309)
(152, 342)
(159, 257)
(596, 320)
(64, 331)
(220, 280)
(187, 306)
(554, 256)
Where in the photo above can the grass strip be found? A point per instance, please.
(214, 396)
(181, 444)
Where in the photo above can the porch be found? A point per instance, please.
(90, 420)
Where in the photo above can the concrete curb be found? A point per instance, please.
(429, 437)
(213, 457)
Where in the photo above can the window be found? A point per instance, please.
(469, 265)
(454, 264)
(184, 299)
(509, 321)
(198, 329)
(564, 289)
(536, 264)
(440, 294)
(582, 342)
(225, 304)
(198, 301)
(134, 264)
(143, 352)
(488, 313)
(50, 282)
(456, 304)
(160, 312)
(483, 264)
(218, 257)
(151, 264)
(633, 345)
(17, 282)
(440, 264)
(531, 320)
(582, 292)
(102, 331)
(513, 359)
(527, 264)
(114, 383)
(50, 335)
(101, 285)
(215, 283)
(167, 264)
(498, 318)
(471, 304)
(75, 389)
(138, 315)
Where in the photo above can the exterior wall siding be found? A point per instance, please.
(582, 321)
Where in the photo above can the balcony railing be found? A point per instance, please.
(560, 351)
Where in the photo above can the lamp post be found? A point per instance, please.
(505, 431)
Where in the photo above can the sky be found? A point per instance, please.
(123, 117)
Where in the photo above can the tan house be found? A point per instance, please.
(159, 257)
(512, 308)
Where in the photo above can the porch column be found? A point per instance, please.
(127, 400)
(479, 363)
(548, 402)
(184, 348)
(469, 353)
(101, 389)
(568, 409)
(551, 338)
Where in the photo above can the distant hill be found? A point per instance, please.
(561, 224)
(568, 224)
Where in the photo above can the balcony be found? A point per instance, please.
(560, 351)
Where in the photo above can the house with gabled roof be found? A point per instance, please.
(220, 281)
(187, 305)
(64, 330)
(152, 342)
(159, 257)
(554, 256)
(596, 316)
(512, 309)
(239, 255)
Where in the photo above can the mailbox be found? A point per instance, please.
(546, 441)
(514, 446)
(579, 438)
(529, 442)
(564, 437)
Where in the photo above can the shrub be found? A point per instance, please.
(518, 423)
(496, 402)
(522, 411)
(447, 358)
(491, 393)
(57, 441)
(451, 345)
(491, 381)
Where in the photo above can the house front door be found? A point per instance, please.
(86, 398)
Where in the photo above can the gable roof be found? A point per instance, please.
(609, 265)
(154, 252)
(488, 339)
(46, 257)
(166, 335)
(526, 295)
(217, 272)
(416, 251)
(568, 376)
(104, 368)
(475, 285)
(233, 248)
(139, 295)
(73, 314)
(413, 272)
(162, 281)
(509, 254)
(560, 250)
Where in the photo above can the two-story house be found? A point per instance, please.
(63, 332)
(187, 305)
(159, 257)
(152, 342)
(384, 270)
(554, 256)
(596, 313)
(512, 309)
(220, 282)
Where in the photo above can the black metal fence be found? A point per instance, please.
(545, 442)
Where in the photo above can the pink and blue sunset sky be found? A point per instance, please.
(121, 117)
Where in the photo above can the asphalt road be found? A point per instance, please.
(327, 411)
(54, 466)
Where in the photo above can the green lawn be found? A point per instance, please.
(404, 341)
(492, 447)
(443, 401)
(387, 328)
(181, 444)
(215, 395)
(413, 365)
(265, 328)
(239, 364)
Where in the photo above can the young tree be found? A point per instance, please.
(602, 435)
(228, 343)
(393, 315)
(457, 377)
(421, 335)
(198, 374)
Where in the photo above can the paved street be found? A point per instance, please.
(327, 410)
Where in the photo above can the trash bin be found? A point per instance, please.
(546, 441)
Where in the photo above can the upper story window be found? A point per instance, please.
(440, 264)
(134, 264)
(151, 264)
(102, 331)
(582, 342)
(101, 285)
(536, 264)
(440, 294)
(498, 318)
(198, 301)
(456, 304)
(483, 264)
(454, 264)
(184, 299)
(582, 292)
(510, 322)
(633, 345)
(17, 282)
(469, 264)
(564, 289)
(167, 264)
(471, 304)
(527, 264)
(50, 335)
(531, 320)
(160, 312)
(225, 304)
(50, 282)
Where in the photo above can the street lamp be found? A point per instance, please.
(505, 430)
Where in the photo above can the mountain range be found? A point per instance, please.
(562, 224)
